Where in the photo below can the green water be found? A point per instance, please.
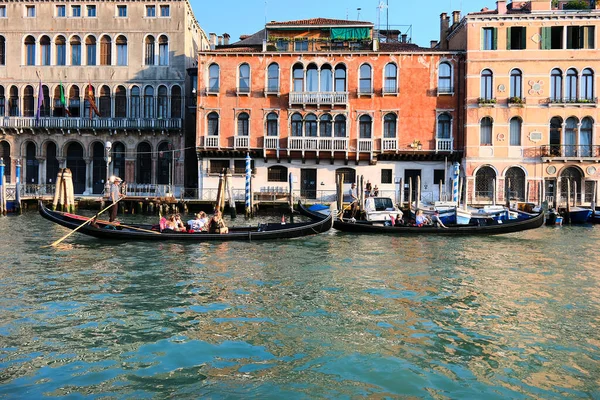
(328, 316)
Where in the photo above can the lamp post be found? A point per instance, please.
(107, 147)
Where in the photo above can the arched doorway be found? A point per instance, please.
(31, 165)
(515, 183)
(5, 154)
(76, 164)
(484, 184)
(165, 158)
(51, 163)
(144, 163)
(118, 160)
(99, 168)
(575, 177)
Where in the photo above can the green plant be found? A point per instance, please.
(483, 100)
(515, 100)
(577, 5)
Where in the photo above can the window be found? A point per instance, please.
(30, 11)
(28, 110)
(552, 38)
(60, 44)
(272, 124)
(76, 11)
(91, 10)
(326, 79)
(149, 102)
(444, 126)
(277, 173)
(75, 50)
(390, 79)
(175, 102)
(149, 58)
(2, 50)
(297, 125)
(2, 11)
(281, 45)
(439, 176)
(104, 103)
(301, 45)
(348, 173)
(239, 166)
(312, 78)
(585, 137)
(386, 176)
(90, 50)
(244, 78)
(339, 126)
(243, 124)
(571, 85)
(445, 78)
(120, 102)
(516, 84)
(487, 84)
(150, 11)
(135, 102)
(46, 58)
(340, 78)
(273, 78)
(571, 137)
(87, 109)
(2, 102)
(325, 125)
(218, 166)
(61, 11)
(389, 126)
(144, 163)
(121, 11)
(485, 131)
(556, 83)
(580, 37)
(516, 38)
(163, 50)
(213, 124)
(298, 77)
(29, 50)
(162, 102)
(74, 101)
(310, 125)
(515, 131)
(165, 11)
(489, 39)
(587, 85)
(364, 85)
(213, 78)
(13, 102)
(364, 125)
(121, 43)
(105, 50)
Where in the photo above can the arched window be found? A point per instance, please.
(326, 84)
(105, 50)
(272, 124)
(585, 137)
(444, 126)
(277, 173)
(2, 50)
(59, 107)
(104, 102)
(364, 85)
(571, 137)
(175, 102)
(121, 43)
(297, 125)
(29, 50)
(339, 126)
(45, 105)
(75, 43)
(325, 125)
(31, 164)
(349, 174)
(2, 102)
(13, 102)
(310, 125)
(556, 84)
(484, 183)
(74, 101)
(28, 110)
(555, 136)
(118, 159)
(120, 103)
(144, 163)
(487, 91)
(364, 125)
(165, 159)
(298, 77)
(86, 101)
(485, 131)
(163, 50)
(516, 84)
(45, 52)
(148, 102)
(135, 102)
(571, 85)
(149, 47)
(340, 78)
(390, 84)
(162, 102)
(243, 124)
(76, 164)
(389, 126)
(515, 131)
(5, 154)
(587, 85)
(213, 78)
(90, 50)
(51, 163)
(312, 78)
(445, 78)
(61, 50)
(244, 78)
(273, 78)
(515, 183)
(213, 124)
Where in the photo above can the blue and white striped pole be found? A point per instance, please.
(248, 177)
(18, 187)
(2, 204)
(455, 173)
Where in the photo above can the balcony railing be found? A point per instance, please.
(389, 144)
(317, 143)
(444, 144)
(365, 145)
(319, 98)
(241, 142)
(211, 141)
(271, 142)
(569, 151)
(572, 100)
(87, 123)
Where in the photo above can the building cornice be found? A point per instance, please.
(332, 54)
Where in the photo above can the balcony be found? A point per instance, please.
(86, 123)
(389, 144)
(318, 98)
(271, 143)
(317, 144)
(365, 145)
(568, 152)
(241, 142)
(444, 145)
(211, 141)
(575, 102)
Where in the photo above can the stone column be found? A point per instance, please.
(41, 169)
(88, 176)
(62, 163)
(154, 168)
(130, 170)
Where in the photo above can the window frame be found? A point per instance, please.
(244, 80)
(272, 81)
(118, 10)
(390, 82)
(91, 9)
(364, 80)
(75, 11)
(515, 131)
(443, 78)
(486, 84)
(58, 9)
(30, 11)
(163, 7)
(148, 8)
(488, 140)
(516, 84)
(210, 88)
(243, 124)
(489, 38)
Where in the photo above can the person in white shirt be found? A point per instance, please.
(198, 224)
(353, 199)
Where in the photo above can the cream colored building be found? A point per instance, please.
(138, 57)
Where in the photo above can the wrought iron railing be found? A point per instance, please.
(30, 190)
(87, 123)
(575, 151)
(572, 100)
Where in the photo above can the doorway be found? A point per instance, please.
(308, 183)
(408, 175)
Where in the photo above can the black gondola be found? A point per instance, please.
(134, 232)
(491, 227)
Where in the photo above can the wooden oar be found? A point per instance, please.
(86, 222)
(134, 227)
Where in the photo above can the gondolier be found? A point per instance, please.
(115, 195)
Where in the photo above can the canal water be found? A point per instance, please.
(329, 316)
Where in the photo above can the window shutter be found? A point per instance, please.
(482, 33)
(524, 38)
(495, 43)
(508, 37)
(546, 36)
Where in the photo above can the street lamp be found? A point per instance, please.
(107, 147)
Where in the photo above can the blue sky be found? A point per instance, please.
(238, 17)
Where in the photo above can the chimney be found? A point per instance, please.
(226, 39)
(444, 26)
(264, 45)
(433, 43)
(455, 17)
(404, 37)
(501, 7)
(212, 40)
(220, 40)
(540, 5)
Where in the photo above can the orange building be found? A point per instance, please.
(531, 102)
(319, 97)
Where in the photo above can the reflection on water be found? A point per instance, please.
(333, 315)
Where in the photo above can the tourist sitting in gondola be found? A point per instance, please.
(420, 218)
(398, 221)
(179, 225)
(199, 223)
(216, 224)
(436, 221)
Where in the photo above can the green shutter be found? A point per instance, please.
(508, 33)
(523, 38)
(546, 38)
(495, 42)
